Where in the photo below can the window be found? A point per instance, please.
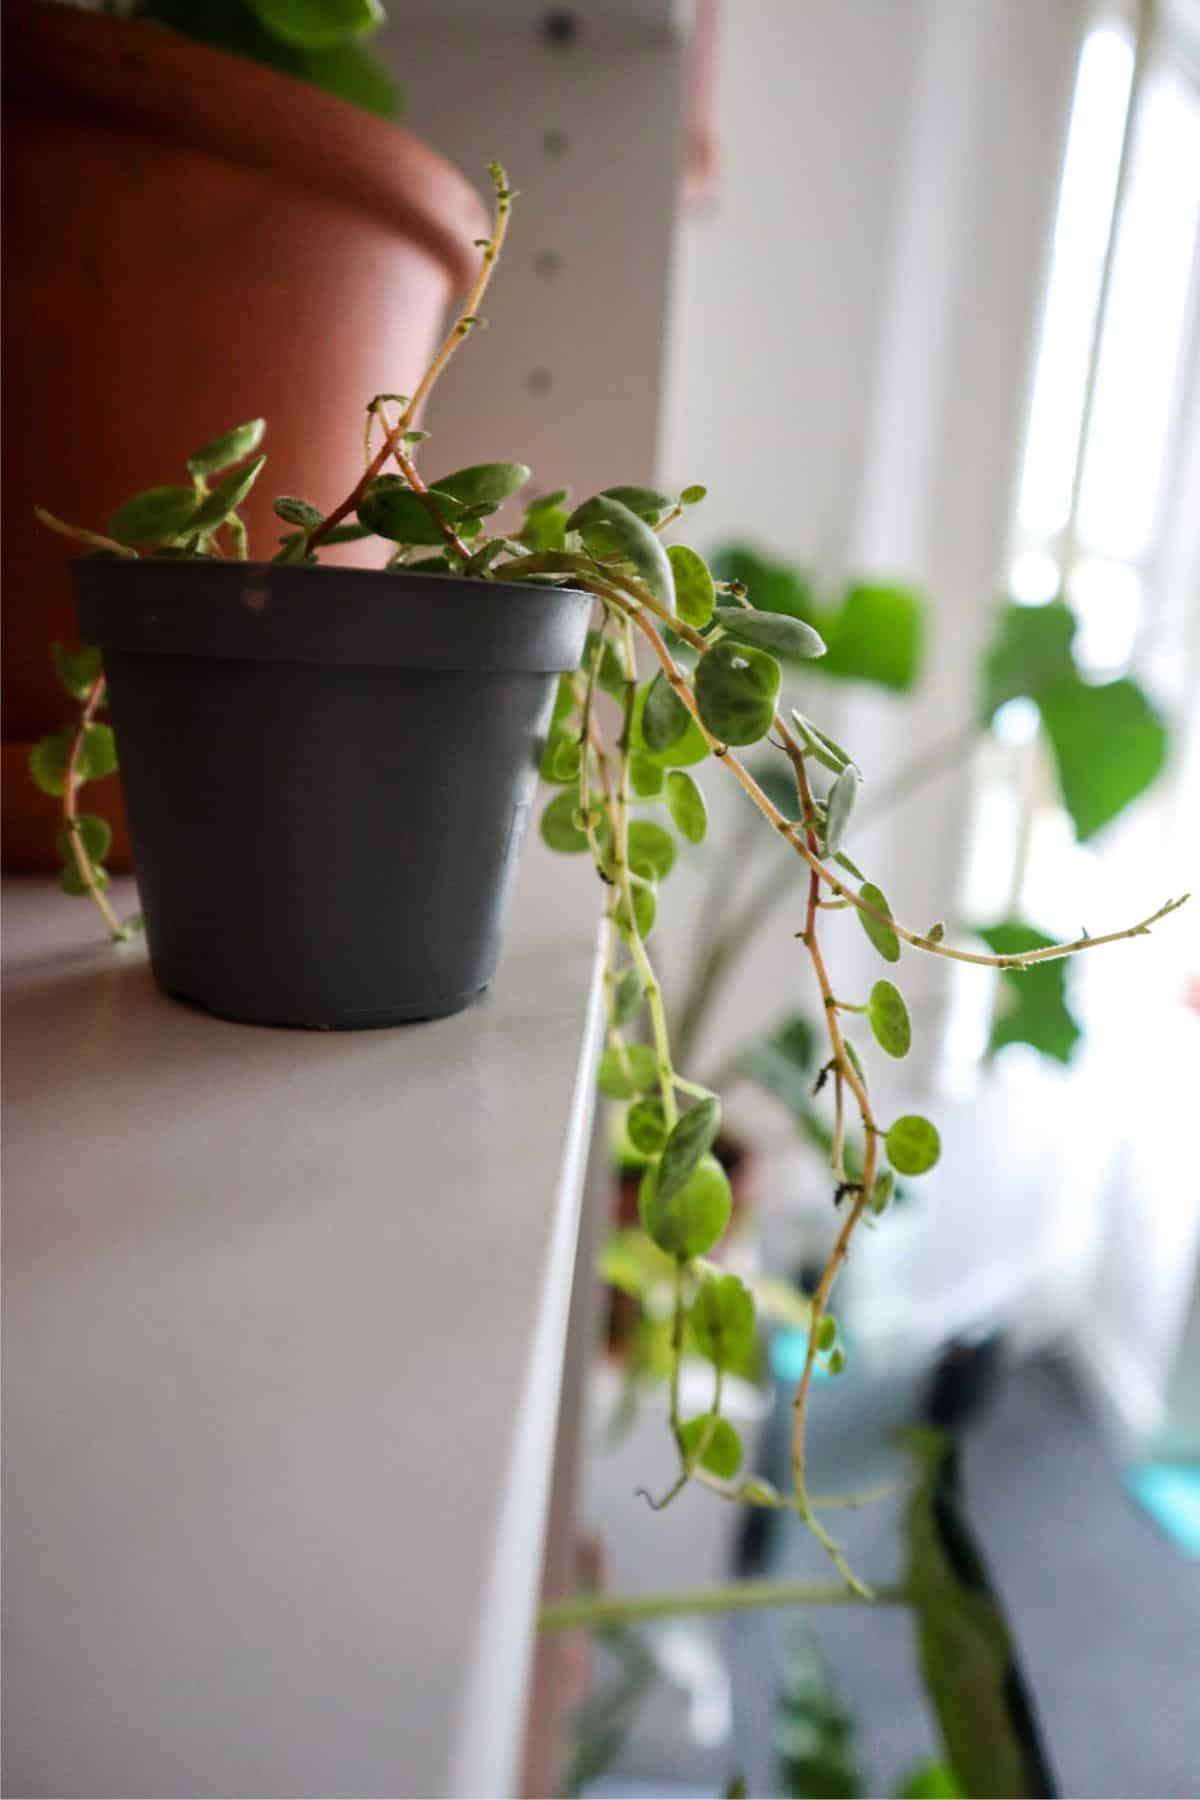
(1108, 510)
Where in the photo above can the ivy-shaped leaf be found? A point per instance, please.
(1032, 1005)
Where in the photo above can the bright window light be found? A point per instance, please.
(1107, 598)
(1034, 578)
(1080, 238)
(1139, 361)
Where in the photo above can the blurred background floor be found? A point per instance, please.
(1103, 1603)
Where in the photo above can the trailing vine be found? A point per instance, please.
(620, 741)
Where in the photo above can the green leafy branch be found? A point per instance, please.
(618, 743)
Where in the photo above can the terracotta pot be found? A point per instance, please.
(190, 240)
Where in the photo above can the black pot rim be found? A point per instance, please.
(286, 612)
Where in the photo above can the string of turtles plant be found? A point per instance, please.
(617, 743)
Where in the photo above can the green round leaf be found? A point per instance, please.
(645, 911)
(694, 593)
(692, 496)
(549, 764)
(686, 805)
(484, 485)
(723, 1452)
(632, 539)
(317, 24)
(72, 882)
(78, 671)
(770, 631)
(722, 1319)
(94, 835)
(560, 825)
(646, 1128)
(392, 510)
(889, 1020)
(566, 760)
(155, 516)
(691, 746)
(835, 1362)
(827, 1333)
(645, 776)
(646, 502)
(651, 850)
(736, 689)
(881, 1193)
(225, 498)
(49, 758)
(838, 809)
(628, 996)
(615, 1083)
(885, 941)
(97, 753)
(690, 1222)
(664, 717)
(297, 512)
(220, 452)
(913, 1145)
(691, 1138)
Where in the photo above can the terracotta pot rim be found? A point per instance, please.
(138, 78)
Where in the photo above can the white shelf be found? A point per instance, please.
(284, 1325)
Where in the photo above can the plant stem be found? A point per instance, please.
(408, 469)
(81, 536)
(83, 862)
(588, 1610)
(467, 316)
(793, 835)
(454, 337)
(653, 992)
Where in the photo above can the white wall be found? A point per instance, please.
(851, 337)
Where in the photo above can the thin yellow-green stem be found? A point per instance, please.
(454, 337)
(653, 991)
(83, 862)
(469, 313)
(795, 837)
(81, 536)
(590, 1610)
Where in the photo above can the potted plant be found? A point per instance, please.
(178, 222)
(260, 813)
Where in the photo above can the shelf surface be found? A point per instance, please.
(283, 1330)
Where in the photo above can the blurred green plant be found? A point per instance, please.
(318, 41)
(1107, 743)
(969, 1666)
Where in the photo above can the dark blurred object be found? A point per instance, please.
(965, 1381)
(816, 1738)
(600, 1725)
(968, 1656)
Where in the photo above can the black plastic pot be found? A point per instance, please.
(327, 774)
